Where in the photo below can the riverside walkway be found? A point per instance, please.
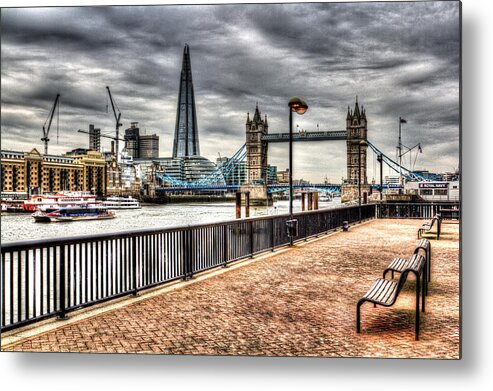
(295, 302)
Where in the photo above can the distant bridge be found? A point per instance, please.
(210, 181)
(333, 188)
(305, 136)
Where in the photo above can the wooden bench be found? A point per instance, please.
(385, 292)
(424, 245)
(426, 227)
(399, 265)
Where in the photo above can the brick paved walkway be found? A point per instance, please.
(297, 303)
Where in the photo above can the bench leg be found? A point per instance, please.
(428, 263)
(424, 287)
(427, 271)
(358, 317)
(417, 307)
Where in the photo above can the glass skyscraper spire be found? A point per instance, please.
(186, 141)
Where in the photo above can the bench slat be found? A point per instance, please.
(382, 292)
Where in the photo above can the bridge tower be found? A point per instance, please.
(256, 149)
(357, 130)
(256, 158)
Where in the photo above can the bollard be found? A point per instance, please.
(238, 204)
(247, 204)
(345, 226)
(292, 228)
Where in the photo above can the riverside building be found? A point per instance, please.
(25, 173)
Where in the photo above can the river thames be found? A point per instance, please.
(19, 227)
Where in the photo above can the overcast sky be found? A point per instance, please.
(400, 59)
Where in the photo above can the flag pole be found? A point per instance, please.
(400, 152)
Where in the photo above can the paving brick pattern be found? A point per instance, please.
(298, 303)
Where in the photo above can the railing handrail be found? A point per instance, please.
(149, 231)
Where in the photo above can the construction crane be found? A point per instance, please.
(102, 135)
(118, 124)
(46, 129)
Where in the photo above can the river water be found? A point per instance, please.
(18, 227)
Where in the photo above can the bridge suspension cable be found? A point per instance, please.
(224, 168)
(210, 179)
(405, 172)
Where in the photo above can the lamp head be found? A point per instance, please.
(298, 105)
(363, 143)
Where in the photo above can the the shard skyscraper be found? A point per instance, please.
(186, 141)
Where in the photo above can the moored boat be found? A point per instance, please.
(55, 201)
(118, 202)
(13, 207)
(74, 213)
(326, 197)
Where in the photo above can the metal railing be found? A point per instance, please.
(45, 278)
(391, 210)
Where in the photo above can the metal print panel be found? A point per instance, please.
(301, 197)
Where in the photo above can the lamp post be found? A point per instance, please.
(300, 107)
(399, 147)
(362, 143)
(380, 160)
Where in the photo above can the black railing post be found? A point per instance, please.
(225, 245)
(134, 265)
(250, 226)
(184, 252)
(272, 234)
(61, 286)
(191, 251)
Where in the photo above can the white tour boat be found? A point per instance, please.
(117, 202)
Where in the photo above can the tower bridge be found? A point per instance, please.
(255, 150)
(258, 139)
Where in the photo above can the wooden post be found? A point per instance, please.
(310, 200)
(247, 204)
(315, 200)
(238, 204)
(303, 201)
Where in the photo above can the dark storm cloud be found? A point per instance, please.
(401, 59)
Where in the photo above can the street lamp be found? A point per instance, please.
(362, 143)
(399, 147)
(380, 160)
(300, 107)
